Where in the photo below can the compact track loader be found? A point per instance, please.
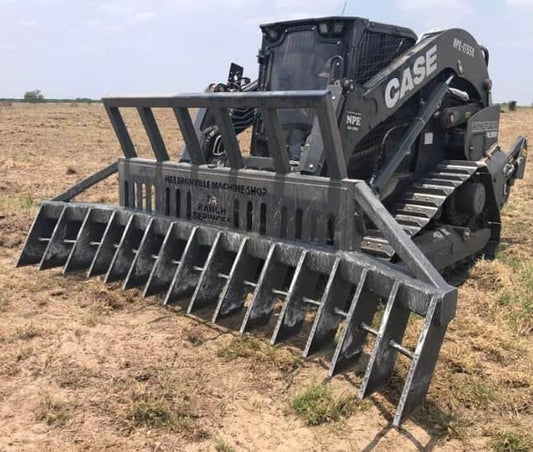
(374, 170)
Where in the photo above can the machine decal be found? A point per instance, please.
(489, 127)
(413, 75)
(234, 188)
(463, 47)
(211, 213)
(353, 121)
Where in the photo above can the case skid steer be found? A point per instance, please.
(374, 172)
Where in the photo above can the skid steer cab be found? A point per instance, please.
(373, 168)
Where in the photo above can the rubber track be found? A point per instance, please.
(419, 204)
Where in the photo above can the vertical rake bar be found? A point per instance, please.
(332, 139)
(123, 136)
(55, 248)
(143, 261)
(326, 320)
(232, 296)
(139, 203)
(276, 143)
(184, 277)
(88, 240)
(424, 362)
(148, 198)
(262, 304)
(381, 363)
(161, 274)
(81, 243)
(229, 138)
(353, 336)
(123, 256)
(255, 215)
(209, 284)
(154, 135)
(291, 318)
(40, 232)
(64, 237)
(106, 248)
(357, 326)
(189, 135)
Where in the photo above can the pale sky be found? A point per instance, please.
(91, 48)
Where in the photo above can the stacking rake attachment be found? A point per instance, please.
(297, 289)
(255, 244)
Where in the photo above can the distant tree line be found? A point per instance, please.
(33, 97)
(36, 96)
(511, 105)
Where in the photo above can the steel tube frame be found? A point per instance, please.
(268, 103)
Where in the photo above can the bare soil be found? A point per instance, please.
(87, 366)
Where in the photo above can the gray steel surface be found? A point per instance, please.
(205, 267)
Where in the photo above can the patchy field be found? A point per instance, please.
(85, 365)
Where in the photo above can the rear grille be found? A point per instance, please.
(378, 50)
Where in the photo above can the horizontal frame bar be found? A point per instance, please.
(267, 99)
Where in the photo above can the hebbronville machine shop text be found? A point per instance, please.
(215, 185)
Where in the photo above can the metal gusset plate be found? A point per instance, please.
(317, 296)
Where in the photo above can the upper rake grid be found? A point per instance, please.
(267, 103)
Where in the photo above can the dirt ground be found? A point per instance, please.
(87, 366)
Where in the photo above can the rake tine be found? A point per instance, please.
(424, 362)
(232, 295)
(209, 284)
(184, 277)
(381, 363)
(55, 243)
(65, 237)
(105, 250)
(41, 229)
(353, 335)
(262, 304)
(89, 239)
(292, 315)
(160, 276)
(124, 254)
(80, 246)
(326, 320)
(142, 260)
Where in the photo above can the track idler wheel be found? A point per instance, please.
(471, 198)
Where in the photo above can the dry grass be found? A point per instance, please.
(52, 410)
(124, 373)
(162, 404)
(317, 404)
(512, 441)
(221, 446)
(257, 352)
(28, 331)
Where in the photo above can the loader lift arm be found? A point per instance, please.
(414, 75)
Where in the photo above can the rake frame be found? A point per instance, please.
(212, 235)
